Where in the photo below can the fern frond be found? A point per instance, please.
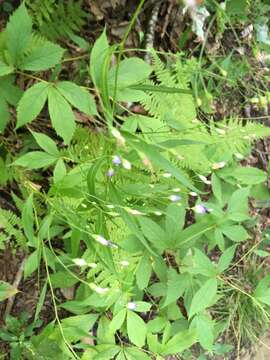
(11, 227)
(57, 18)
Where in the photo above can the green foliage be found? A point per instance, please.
(143, 218)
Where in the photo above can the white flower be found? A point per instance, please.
(126, 164)
(204, 180)
(176, 190)
(134, 211)
(124, 263)
(118, 136)
(220, 131)
(175, 198)
(219, 165)
(158, 213)
(110, 206)
(167, 175)
(84, 205)
(192, 193)
(200, 209)
(100, 290)
(100, 239)
(131, 306)
(79, 262)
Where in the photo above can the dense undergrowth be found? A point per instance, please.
(146, 215)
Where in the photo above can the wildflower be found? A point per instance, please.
(158, 213)
(120, 139)
(131, 305)
(167, 175)
(126, 164)
(110, 173)
(100, 239)
(219, 165)
(194, 194)
(205, 180)
(239, 156)
(175, 198)
(220, 131)
(79, 262)
(200, 209)
(100, 290)
(134, 211)
(124, 263)
(84, 205)
(176, 190)
(110, 206)
(116, 160)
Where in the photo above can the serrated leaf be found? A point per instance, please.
(136, 329)
(42, 57)
(77, 97)
(203, 297)
(35, 160)
(31, 103)
(46, 143)
(61, 115)
(5, 69)
(226, 258)
(235, 232)
(6, 290)
(18, 33)
(4, 114)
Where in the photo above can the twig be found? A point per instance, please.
(15, 284)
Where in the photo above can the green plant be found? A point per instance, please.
(144, 218)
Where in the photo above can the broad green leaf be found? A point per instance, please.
(6, 290)
(154, 233)
(135, 354)
(77, 327)
(203, 265)
(28, 221)
(142, 306)
(10, 92)
(62, 117)
(203, 297)
(226, 259)
(35, 160)
(180, 342)
(31, 263)
(4, 114)
(205, 331)
(136, 329)
(238, 205)
(216, 188)
(262, 291)
(18, 33)
(249, 175)
(235, 232)
(42, 57)
(63, 279)
(143, 272)
(77, 97)
(176, 285)
(118, 321)
(98, 55)
(5, 69)
(103, 335)
(175, 220)
(190, 234)
(31, 103)
(59, 171)
(106, 354)
(219, 239)
(46, 143)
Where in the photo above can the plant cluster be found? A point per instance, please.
(144, 217)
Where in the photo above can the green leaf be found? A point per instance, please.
(59, 171)
(77, 327)
(216, 188)
(175, 220)
(5, 69)
(176, 285)
(249, 175)
(31, 263)
(6, 290)
(154, 233)
(63, 279)
(136, 329)
(180, 342)
(9, 91)
(28, 221)
(135, 354)
(203, 265)
(203, 297)
(118, 321)
(61, 114)
(35, 160)
(18, 33)
(77, 97)
(46, 143)
(226, 259)
(31, 103)
(143, 306)
(205, 331)
(42, 57)
(98, 56)
(235, 232)
(238, 205)
(4, 114)
(262, 291)
(143, 272)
